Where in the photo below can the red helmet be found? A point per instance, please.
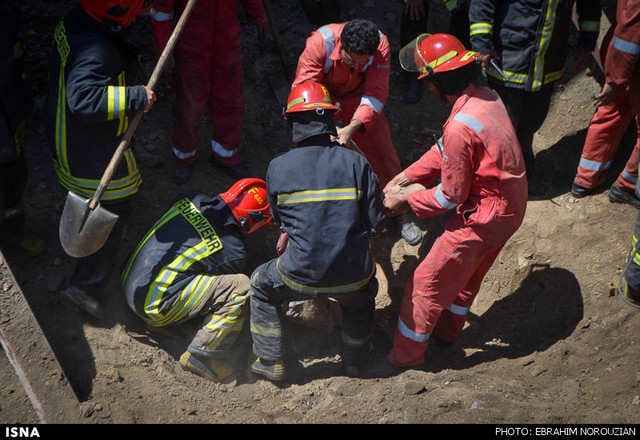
(307, 96)
(248, 201)
(120, 12)
(437, 53)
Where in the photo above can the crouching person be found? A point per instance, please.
(189, 266)
(327, 201)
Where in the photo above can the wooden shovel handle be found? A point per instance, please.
(133, 124)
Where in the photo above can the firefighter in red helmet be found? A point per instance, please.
(326, 199)
(475, 170)
(93, 92)
(189, 266)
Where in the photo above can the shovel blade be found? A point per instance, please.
(83, 231)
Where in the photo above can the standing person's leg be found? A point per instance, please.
(606, 130)
(191, 84)
(623, 190)
(453, 319)
(226, 105)
(410, 28)
(91, 274)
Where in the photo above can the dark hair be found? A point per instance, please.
(360, 36)
(453, 82)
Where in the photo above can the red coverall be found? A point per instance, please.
(208, 72)
(606, 129)
(483, 178)
(361, 94)
(622, 68)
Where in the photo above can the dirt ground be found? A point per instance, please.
(548, 340)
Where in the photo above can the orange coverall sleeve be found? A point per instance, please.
(455, 167)
(376, 86)
(311, 61)
(624, 48)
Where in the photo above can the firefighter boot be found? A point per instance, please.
(206, 366)
(630, 295)
(270, 369)
(618, 195)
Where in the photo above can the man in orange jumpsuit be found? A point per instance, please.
(606, 130)
(481, 168)
(622, 73)
(208, 73)
(352, 61)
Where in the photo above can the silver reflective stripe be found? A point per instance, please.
(329, 44)
(180, 155)
(594, 165)
(442, 200)
(353, 342)
(628, 177)
(372, 102)
(410, 334)
(458, 310)
(626, 46)
(221, 151)
(439, 145)
(470, 121)
(163, 16)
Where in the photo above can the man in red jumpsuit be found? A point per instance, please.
(481, 168)
(208, 73)
(622, 73)
(606, 130)
(352, 61)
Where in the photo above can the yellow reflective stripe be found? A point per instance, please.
(122, 105)
(590, 26)
(481, 28)
(344, 288)
(636, 255)
(443, 59)
(320, 195)
(450, 4)
(157, 225)
(61, 122)
(225, 324)
(189, 298)
(111, 102)
(167, 276)
(553, 76)
(209, 244)
(517, 78)
(268, 332)
(117, 188)
(547, 29)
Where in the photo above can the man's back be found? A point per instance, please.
(327, 199)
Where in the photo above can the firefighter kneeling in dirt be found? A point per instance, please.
(189, 266)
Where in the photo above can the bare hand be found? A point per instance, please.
(151, 98)
(608, 93)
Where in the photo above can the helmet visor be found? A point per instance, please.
(410, 58)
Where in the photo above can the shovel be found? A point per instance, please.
(84, 224)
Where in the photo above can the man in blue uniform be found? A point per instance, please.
(328, 204)
(88, 105)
